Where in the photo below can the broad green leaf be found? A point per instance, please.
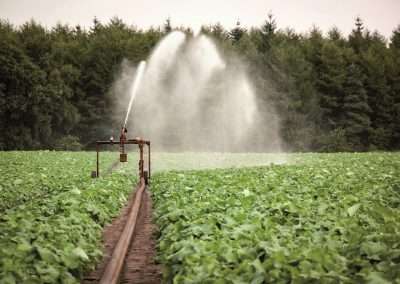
(353, 209)
(79, 252)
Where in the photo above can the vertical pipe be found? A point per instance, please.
(149, 161)
(141, 161)
(97, 162)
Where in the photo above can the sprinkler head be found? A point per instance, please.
(123, 133)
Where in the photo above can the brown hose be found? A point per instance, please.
(114, 267)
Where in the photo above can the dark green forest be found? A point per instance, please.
(332, 92)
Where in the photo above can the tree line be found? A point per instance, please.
(331, 92)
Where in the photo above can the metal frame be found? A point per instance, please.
(138, 141)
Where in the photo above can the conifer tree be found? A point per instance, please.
(267, 33)
(356, 37)
(237, 32)
(379, 97)
(167, 25)
(395, 38)
(330, 85)
(393, 77)
(356, 110)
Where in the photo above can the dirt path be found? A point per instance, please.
(139, 264)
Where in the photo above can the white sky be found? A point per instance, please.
(381, 15)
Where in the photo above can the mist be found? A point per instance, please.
(192, 97)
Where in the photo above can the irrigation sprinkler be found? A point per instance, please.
(123, 156)
(113, 269)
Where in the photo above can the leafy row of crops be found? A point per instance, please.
(52, 213)
(335, 218)
(29, 176)
(162, 161)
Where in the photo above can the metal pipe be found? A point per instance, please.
(141, 161)
(115, 265)
(97, 162)
(149, 160)
(127, 141)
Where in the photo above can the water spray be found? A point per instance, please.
(135, 87)
(123, 139)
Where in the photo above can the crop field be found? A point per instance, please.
(222, 218)
(52, 213)
(334, 218)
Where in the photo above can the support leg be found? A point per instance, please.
(97, 162)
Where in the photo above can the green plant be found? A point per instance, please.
(326, 219)
(52, 214)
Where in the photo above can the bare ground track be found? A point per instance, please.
(129, 245)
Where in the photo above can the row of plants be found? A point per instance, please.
(324, 219)
(52, 214)
(167, 161)
(29, 176)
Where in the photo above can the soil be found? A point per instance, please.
(139, 266)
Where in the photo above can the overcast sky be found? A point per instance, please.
(381, 15)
